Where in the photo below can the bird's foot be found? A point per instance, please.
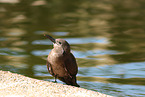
(54, 81)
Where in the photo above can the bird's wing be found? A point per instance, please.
(71, 65)
(49, 68)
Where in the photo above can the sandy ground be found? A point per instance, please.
(16, 85)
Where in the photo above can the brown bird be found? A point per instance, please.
(61, 63)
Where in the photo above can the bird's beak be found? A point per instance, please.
(51, 38)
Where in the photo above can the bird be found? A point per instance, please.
(61, 63)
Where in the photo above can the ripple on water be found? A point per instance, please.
(3, 39)
(40, 70)
(78, 54)
(41, 52)
(101, 40)
(114, 89)
(10, 51)
(85, 54)
(127, 70)
(60, 33)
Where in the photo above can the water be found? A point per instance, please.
(106, 37)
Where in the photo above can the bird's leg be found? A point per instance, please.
(55, 78)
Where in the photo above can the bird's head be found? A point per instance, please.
(60, 44)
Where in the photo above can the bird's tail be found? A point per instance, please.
(76, 85)
(70, 81)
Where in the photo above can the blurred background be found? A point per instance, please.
(107, 37)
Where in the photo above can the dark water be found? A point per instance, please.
(107, 38)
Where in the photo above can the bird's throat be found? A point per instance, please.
(59, 50)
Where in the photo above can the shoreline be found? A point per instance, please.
(16, 85)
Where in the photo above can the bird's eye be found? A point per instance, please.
(59, 42)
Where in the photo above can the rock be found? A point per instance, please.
(16, 85)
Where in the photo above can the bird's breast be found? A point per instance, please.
(55, 58)
(57, 64)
